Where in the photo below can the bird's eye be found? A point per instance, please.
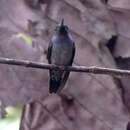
(66, 28)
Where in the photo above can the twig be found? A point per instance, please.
(92, 69)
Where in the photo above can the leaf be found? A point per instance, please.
(27, 39)
(12, 119)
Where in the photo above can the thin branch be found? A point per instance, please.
(92, 69)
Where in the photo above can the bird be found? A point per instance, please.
(61, 52)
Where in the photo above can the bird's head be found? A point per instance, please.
(62, 29)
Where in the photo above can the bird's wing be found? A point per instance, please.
(73, 54)
(66, 73)
(49, 52)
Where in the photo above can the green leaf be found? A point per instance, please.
(12, 119)
(27, 39)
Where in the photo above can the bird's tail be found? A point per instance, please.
(55, 80)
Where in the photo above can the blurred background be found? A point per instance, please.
(101, 31)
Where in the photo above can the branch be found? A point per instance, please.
(92, 69)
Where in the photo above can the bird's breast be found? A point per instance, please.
(61, 53)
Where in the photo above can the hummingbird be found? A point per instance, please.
(61, 51)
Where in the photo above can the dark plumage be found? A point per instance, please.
(61, 51)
